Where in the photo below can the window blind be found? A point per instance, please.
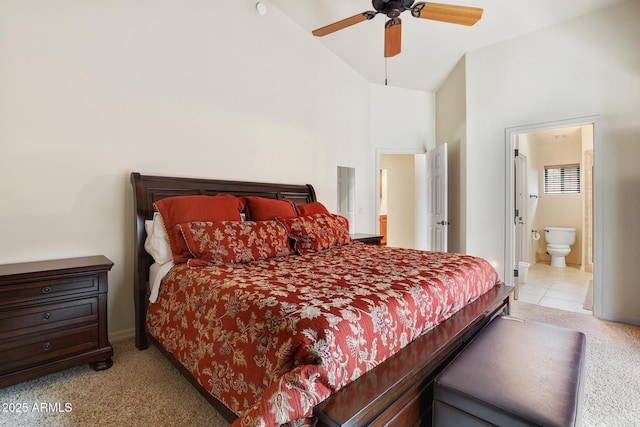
(562, 179)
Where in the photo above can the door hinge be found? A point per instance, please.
(515, 273)
(516, 152)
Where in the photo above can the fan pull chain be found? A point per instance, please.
(385, 71)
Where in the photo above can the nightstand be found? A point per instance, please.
(53, 315)
(368, 239)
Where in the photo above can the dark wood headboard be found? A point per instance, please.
(149, 189)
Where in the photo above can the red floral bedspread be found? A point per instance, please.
(273, 338)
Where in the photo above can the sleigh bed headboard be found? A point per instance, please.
(148, 189)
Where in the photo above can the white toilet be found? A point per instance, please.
(559, 241)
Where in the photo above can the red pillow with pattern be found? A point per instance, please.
(226, 242)
(181, 209)
(262, 209)
(341, 230)
(317, 232)
(312, 208)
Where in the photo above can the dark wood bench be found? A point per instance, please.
(516, 373)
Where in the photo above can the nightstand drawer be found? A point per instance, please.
(48, 347)
(48, 288)
(45, 317)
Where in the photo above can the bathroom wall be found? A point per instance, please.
(557, 210)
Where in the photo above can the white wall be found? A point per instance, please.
(402, 120)
(583, 67)
(451, 129)
(91, 91)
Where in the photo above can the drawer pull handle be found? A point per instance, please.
(46, 316)
(46, 346)
(46, 290)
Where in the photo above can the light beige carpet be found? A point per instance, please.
(612, 384)
(143, 389)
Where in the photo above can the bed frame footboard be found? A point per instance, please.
(399, 391)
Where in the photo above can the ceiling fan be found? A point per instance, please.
(393, 8)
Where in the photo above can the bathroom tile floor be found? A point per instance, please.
(563, 288)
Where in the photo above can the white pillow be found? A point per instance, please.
(157, 242)
(157, 245)
(156, 274)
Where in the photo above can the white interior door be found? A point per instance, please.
(518, 217)
(523, 197)
(437, 220)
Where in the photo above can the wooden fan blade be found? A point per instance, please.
(328, 29)
(392, 37)
(462, 15)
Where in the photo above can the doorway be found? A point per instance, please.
(397, 207)
(406, 197)
(413, 198)
(530, 209)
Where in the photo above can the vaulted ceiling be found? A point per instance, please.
(430, 49)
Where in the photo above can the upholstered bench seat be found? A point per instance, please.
(515, 373)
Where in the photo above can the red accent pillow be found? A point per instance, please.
(226, 242)
(312, 208)
(262, 209)
(180, 209)
(317, 232)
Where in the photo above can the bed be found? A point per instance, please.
(369, 344)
